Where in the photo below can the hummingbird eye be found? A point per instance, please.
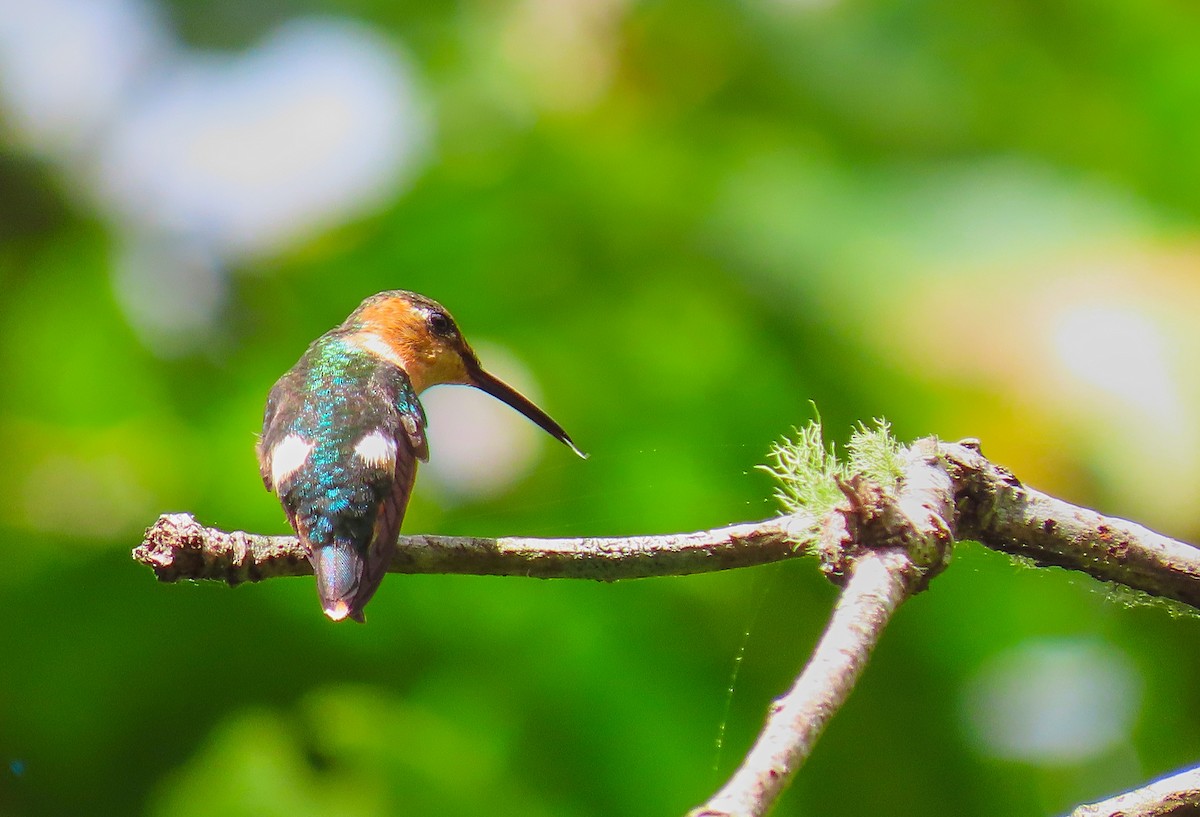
(440, 324)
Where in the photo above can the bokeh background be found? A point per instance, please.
(674, 224)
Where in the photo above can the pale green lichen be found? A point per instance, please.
(807, 469)
(875, 454)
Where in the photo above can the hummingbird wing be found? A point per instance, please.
(284, 402)
(404, 434)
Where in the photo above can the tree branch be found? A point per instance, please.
(178, 547)
(882, 547)
(1001, 513)
(993, 507)
(1178, 794)
(876, 587)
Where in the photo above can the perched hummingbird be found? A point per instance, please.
(343, 431)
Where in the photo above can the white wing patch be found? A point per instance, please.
(289, 457)
(377, 449)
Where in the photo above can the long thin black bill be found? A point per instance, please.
(502, 391)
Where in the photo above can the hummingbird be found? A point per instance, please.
(344, 429)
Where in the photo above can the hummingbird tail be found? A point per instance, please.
(339, 568)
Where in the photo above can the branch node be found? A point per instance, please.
(918, 518)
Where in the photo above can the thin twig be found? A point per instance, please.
(876, 587)
(1178, 794)
(178, 547)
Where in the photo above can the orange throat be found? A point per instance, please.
(403, 349)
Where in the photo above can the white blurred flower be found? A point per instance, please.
(1053, 702)
(171, 289)
(202, 160)
(479, 446)
(252, 152)
(66, 65)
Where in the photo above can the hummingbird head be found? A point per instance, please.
(418, 335)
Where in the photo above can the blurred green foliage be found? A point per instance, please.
(728, 228)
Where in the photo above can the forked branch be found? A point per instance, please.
(890, 547)
(884, 543)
